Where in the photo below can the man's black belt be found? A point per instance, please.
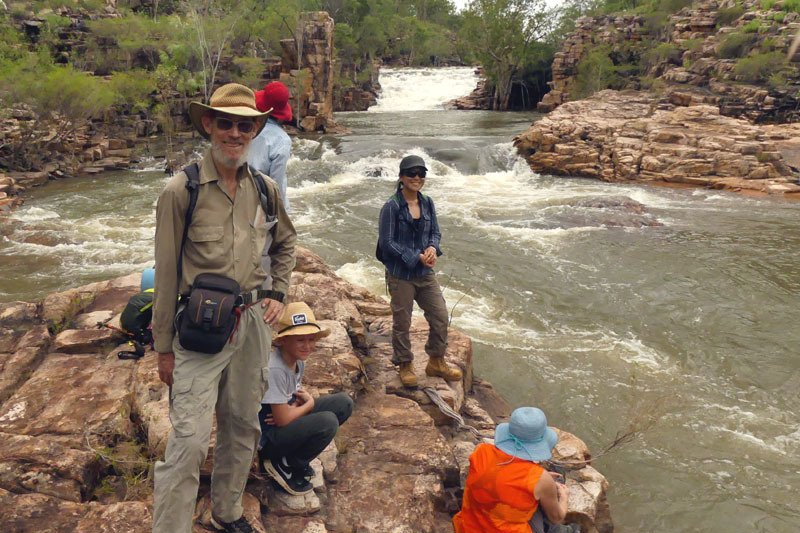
(249, 297)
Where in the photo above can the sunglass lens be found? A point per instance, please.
(224, 124)
(246, 126)
(415, 173)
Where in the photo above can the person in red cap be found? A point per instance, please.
(271, 149)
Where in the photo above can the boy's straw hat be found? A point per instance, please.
(298, 319)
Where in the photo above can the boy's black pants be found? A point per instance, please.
(304, 438)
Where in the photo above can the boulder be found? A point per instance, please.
(42, 465)
(73, 398)
(396, 465)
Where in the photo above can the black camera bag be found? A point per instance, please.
(211, 314)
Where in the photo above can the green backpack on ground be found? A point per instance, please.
(137, 315)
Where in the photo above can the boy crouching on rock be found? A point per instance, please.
(296, 428)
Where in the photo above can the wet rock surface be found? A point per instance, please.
(69, 425)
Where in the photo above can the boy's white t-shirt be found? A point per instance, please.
(283, 381)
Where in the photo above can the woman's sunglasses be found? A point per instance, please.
(415, 173)
(244, 126)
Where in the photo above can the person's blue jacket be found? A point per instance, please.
(400, 243)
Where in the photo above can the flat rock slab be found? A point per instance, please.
(70, 396)
(16, 313)
(37, 513)
(393, 469)
(85, 340)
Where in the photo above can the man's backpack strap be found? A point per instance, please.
(192, 183)
(263, 192)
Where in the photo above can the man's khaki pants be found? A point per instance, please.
(232, 382)
(427, 293)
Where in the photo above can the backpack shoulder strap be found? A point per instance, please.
(263, 192)
(192, 183)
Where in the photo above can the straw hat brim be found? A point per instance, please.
(541, 450)
(305, 329)
(198, 109)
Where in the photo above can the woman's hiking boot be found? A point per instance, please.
(237, 526)
(407, 376)
(289, 479)
(437, 367)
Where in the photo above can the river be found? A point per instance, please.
(693, 323)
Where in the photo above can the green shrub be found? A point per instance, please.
(672, 6)
(736, 45)
(726, 16)
(791, 6)
(768, 4)
(133, 88)
(663, 53)
(248, 70)
(596, 72)
(779, 16)
(693, 45)
(759, 67)
(769, 44)
(777, 80)
(657, 24)
(752, 27)
(51, 90)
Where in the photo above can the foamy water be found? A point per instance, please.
(417, 89)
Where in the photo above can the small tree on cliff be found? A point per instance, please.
(503, 36)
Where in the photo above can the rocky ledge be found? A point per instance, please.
(636, 136)
(80, 428)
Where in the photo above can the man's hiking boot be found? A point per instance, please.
(237, 526)
(407, 375)
(290, 480)
(437, 367)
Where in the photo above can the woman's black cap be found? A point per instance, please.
(412, 161)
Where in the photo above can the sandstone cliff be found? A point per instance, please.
(719, 52)
(80, 427)
(698, 91)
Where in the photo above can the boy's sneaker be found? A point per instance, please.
(307, 472)
(237, 526)
(291, 481)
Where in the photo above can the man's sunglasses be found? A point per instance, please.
(415, 173)
(244, 126)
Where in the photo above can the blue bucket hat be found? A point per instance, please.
(526, 435)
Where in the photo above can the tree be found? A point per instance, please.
(213, 28)
(502, 35)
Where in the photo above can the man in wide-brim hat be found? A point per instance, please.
(229, 235)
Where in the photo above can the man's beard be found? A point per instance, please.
(228, 162)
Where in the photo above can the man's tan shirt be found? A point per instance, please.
(226, 237)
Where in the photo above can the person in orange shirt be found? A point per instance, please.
(506, 483)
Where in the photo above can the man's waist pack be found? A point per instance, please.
(211, 314)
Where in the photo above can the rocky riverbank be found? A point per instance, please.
(80, 428)
(638, 136)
